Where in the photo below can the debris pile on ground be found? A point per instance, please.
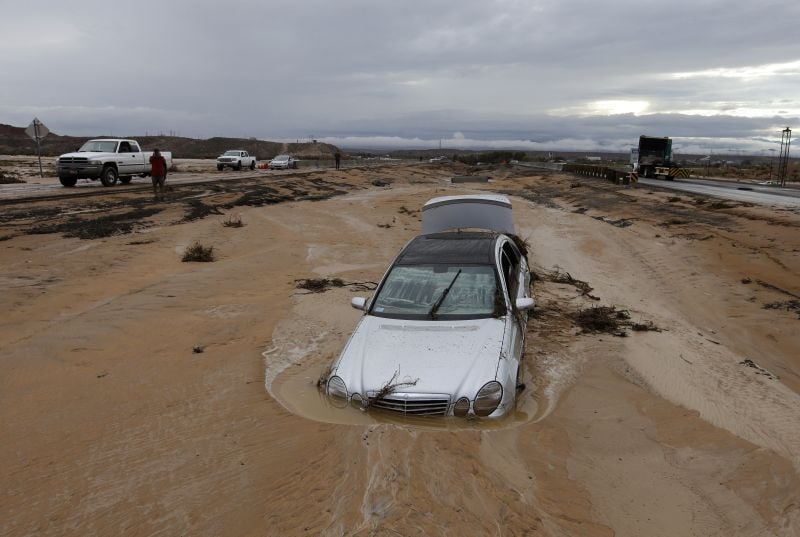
(557, 276)
(9, 178)
(622, 222)
(759, 370)
(320, 285)
(609, 320)
(786, 305)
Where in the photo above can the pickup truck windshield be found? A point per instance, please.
(412, 291)
(104, 146)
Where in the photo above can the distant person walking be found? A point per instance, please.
(338, 157)
(158, 173)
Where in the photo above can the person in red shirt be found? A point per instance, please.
(158, 172)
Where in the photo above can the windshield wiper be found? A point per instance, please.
(435, 308)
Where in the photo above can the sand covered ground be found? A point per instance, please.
(140, 395)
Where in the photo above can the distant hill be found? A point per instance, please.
(14, 141)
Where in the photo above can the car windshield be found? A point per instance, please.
(232, 153)
(105, 146)
(445, 292)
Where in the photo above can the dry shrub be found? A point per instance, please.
(233, 222)
(388, 388)
(198, 253)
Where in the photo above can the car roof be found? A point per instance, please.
(452, 247)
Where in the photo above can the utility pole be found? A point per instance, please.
(783, 159)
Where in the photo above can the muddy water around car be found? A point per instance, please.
(296, 388)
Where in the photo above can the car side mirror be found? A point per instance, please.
(525, 304)
(359, 302)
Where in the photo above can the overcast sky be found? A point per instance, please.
(721, 75)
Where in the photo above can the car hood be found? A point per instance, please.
(86, 154)
(455, 357)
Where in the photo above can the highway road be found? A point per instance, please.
(736, 191)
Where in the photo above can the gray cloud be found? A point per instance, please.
(556, 72)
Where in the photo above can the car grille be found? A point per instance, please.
(413, 404)
(73, 160)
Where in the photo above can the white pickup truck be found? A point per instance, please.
(107, 159)
(236, 159)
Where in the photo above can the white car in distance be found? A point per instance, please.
(283, 162)
(236, 159)
(444, 333)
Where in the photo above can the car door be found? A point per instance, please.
(138, 164)
(126, 159)
(511, 263)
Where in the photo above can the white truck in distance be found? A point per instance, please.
(107, 159)
(236, 159)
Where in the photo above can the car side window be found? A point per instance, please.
(510, 263)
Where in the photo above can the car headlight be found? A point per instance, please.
(461, 407)
(488, 398)
(356, 401)
(337, 389)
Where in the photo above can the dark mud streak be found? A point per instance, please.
(98, 228)
(125, 215)
(199, 210)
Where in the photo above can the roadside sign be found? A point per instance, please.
(37, 130)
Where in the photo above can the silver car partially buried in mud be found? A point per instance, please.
(444, 333)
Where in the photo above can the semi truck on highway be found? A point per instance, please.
(654, 158)
(107, 159)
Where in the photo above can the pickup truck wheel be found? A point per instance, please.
(239, 165)
(125, 180)
(68, 181)
(252, 164)
(220, 167)
(109, 176)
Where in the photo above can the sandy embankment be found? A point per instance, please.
(117, 427)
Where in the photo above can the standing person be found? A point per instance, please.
(158, 172)
(338, 157)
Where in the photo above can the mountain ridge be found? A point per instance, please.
(14, 141)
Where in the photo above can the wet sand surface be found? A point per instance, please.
(140, 395)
